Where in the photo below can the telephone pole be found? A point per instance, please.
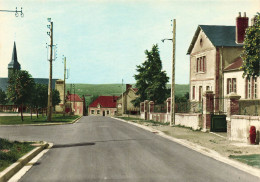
(49, 108)
(173, 75)
(172, 122)
(122, 97)
(64, 89)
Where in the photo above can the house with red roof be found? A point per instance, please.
(75, 104)
(103, 106)
(124, 101)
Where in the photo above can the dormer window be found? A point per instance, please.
(201, 64)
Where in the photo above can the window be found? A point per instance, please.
(251, 88)
(193, 92)
(207, 88)
(201, 64)
(98, 111)
(200, 93)
(92, 111)
(107, 112)
(231, 85)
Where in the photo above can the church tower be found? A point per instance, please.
(14, 65)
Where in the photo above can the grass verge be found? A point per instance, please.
(10, 151)
(251, 160)
(56, 118)
(142, 121)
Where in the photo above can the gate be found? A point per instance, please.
(218, 117)
(218, 123)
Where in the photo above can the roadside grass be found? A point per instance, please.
(56, 118)
(142, 121)
(252, 160)
(10, 151)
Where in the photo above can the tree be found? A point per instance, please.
(20, 89)
(3, 97)
(151, 80)
(251, 53)
(55, 97)
(39, 97)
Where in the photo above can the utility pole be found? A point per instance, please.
(64, 89)
(172, 122)
(49, 109)
(122, 97)
(173, 75)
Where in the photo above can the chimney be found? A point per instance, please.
(241, 26)
(128, 86)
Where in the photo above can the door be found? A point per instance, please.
(104, 113)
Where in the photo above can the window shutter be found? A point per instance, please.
(246, 90)
(228, 86)
(204, 64)
(197, 65)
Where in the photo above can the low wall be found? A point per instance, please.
(193, 120)
(240, 126)
(131, 116)
(142, 115)
(160, 117)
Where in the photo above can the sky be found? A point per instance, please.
(105, 40)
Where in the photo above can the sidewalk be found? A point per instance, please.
(215, 141)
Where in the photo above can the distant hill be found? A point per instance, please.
(93, 90)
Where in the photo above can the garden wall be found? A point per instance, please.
(193, 120)
(240, 126)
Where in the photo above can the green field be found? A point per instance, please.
(56, 118)
(91, 90)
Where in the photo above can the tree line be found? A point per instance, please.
(24, 92)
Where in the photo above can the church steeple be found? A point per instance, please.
(14, 64)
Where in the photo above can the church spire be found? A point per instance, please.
(14, 64)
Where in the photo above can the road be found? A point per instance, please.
(105, 149)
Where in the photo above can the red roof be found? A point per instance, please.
(105, 101)
(74, 97)
(235, 65)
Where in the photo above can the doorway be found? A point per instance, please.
(104, 113)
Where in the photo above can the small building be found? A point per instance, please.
(247, 88)
(74, 104)
(128, 96)
(103, 106)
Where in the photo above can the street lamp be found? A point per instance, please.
(16, 12)
(172, 122)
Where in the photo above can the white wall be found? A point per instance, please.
(240, 82)
(240, 126)
(189, 120)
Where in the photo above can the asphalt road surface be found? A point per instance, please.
(105, 149)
